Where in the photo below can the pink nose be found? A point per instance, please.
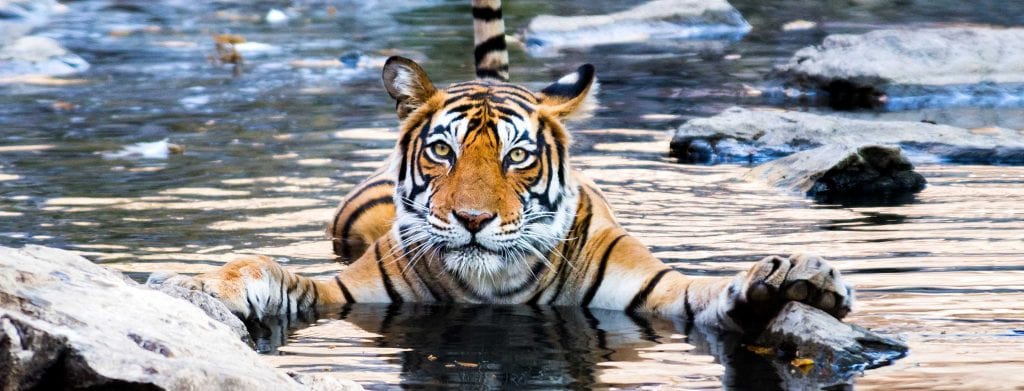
(473, 220)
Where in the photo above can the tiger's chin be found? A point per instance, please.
(487, 271)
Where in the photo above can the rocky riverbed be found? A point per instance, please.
(264, 157)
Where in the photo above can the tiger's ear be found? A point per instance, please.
(573, 96)
(407, 83)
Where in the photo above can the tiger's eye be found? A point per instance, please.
(517, 155)
(441, 149)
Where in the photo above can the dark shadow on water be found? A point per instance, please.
(865, 200)
(541, 347)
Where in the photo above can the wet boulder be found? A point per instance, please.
(68, 323)
(837, 173)
(36, 55)
(897, 67)
(821, 346)
(653, 20)
(757, 136)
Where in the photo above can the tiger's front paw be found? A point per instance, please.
(231, 284)
(774, 281)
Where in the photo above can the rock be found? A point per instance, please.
(658, 19)
(34, 55)
(836, 173)
(756, 136)
(68, 323)
(818, 336)
(211, 306)
(19, 17)
(872, 69)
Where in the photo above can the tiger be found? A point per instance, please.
(479, 204)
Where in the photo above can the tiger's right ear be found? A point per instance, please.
(406, 81)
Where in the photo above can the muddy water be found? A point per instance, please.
(269, 154)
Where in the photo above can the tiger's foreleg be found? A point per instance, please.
(747, 301)
(257, 287)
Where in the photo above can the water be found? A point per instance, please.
(269, 154)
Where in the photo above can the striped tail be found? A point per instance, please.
(489, 50)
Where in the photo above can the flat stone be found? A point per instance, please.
(653, 20)
(757, 136)
(66, 322)
(875, 68)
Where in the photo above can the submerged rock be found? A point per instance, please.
(35, 55)
(658, 19)
(824, 345)
(756, 136)
(837, 173)
(872, 69)
(68, 323)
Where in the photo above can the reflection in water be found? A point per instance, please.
(486, 347)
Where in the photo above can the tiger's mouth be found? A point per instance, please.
(474, 247)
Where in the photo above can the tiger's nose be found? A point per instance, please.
(473, 220)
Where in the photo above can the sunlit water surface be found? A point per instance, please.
(269, 154)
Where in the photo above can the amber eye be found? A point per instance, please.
(517, 155)
(441, 149)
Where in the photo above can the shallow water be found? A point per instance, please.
(269, 154)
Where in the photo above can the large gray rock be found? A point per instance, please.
(35, 55)
(833, 346)
(68, 323)
(864, 70)
(839, 172)
(653, 20)
(755, 136)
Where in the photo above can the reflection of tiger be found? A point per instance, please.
(479, 205)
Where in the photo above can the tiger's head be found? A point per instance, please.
(482, 169)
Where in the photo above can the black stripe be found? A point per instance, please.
(641, 297)
(600, 272)
(354, 196)
(252, 308)
(283, 298)
(344, 290)
(346, 249)
(316, 294)
(486, 14)
(433, 293)
(492, 44)
(686, 303)
(392, 293)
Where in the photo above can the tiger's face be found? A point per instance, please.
(483, 180)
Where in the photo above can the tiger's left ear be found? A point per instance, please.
(574, 96)
(407, 83)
